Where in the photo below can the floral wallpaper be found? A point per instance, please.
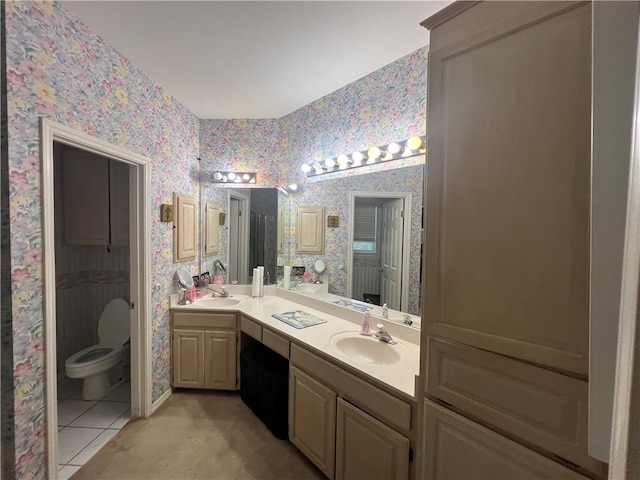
(58, 69)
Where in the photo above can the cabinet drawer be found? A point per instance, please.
(540, 406)
(456, 447)
(251, 328)
(204, 320)
(375, 401)
(275, 342)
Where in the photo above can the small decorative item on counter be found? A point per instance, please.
(306, 276)
(192, 294)
(366, 324)
(218, 279)
(385, 311)
(205, 278)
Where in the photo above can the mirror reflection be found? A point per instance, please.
(372, 255)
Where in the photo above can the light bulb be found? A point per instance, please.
(414, 142)
(217, 176)
(306, 168)
(246, 177)
(357, 157)
(231, 176)
(343, 160)
(293, 187)
(373, 152)
(387, 156)
(393, 148)
(330, 162)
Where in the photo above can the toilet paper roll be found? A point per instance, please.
(287, 277)
(255, 284)
(261, 284)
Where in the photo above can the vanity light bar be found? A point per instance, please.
(235, 177)
(414, 145)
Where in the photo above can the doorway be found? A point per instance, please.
(139, 268)
(238, 238)
(379, 235)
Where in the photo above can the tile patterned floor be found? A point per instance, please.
(84, 427)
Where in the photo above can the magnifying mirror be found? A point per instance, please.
(319, 267)
(184, 281)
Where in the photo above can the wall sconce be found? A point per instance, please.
(235, 177)
(414, 145)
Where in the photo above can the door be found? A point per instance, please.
(312, 420)
(392, 226)
(220, 359)
(238, 238)
(367, 448)
(188, 358)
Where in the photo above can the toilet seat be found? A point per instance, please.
(93, 354)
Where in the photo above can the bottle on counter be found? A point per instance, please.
(385, 311)
(366, 324)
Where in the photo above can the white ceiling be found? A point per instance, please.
(257, 59)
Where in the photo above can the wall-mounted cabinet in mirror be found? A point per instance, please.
(185, 227)
(210, 228)
(310, 230)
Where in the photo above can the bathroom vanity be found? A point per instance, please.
(351, 406)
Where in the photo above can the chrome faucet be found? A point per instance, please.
(383, 335)
(223, 293)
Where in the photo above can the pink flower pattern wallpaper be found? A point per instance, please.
(58, 69)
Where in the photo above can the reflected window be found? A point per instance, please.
(365, 225)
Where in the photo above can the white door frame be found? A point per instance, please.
(243, 235)
(140, 272)
(406, 240)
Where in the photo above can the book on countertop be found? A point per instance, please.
(299, 319)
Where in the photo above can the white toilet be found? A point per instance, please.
(102, 365)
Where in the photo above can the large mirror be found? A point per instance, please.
(249, 235)
(368, 259)
(354, 262)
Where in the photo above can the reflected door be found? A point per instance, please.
(392, 228)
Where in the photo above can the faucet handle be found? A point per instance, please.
(380, 327)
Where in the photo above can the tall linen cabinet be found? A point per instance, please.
(505, 340)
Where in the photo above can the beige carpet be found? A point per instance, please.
(198, 435)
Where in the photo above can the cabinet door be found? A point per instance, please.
(211, 228)
(119, 202)
(310, 230)
(188, 358)
(85, 197)
(508, 184)
(220, 360)
(312, 420)
(184, 233)
(367, 448)
(456, 448)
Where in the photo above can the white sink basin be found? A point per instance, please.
(216, 302)
(367, 349)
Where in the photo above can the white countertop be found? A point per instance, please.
(399, 376)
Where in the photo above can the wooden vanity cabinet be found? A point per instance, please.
(367, 448)
(312, 420)
(204, 350)
(329, 424)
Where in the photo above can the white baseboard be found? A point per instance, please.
(163, 398)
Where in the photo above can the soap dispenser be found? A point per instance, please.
(385, 311)
(366, 324)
